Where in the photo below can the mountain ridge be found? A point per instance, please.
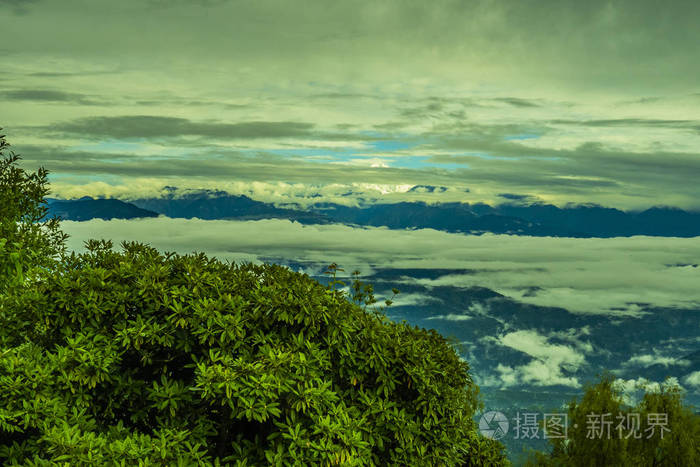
(514, 218)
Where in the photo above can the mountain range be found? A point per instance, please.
(516, 217)
(86, 208)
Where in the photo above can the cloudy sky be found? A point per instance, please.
(567, 101)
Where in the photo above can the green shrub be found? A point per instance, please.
(137, 356)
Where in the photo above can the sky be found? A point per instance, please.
(298, 102)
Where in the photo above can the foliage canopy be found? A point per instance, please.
(137, 355)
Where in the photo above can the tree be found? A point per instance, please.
(658, 431)
(27, 239)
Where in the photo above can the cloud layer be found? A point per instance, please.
(614, 277)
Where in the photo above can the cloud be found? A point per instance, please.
(410, 299)
(19, 7)
(620, 277)
(46, 95)
(648, 359)
(517, 102)
(451, 317)
(148, 126)
(634, 122)
(549, 361)
(563, 42)
(693, 379)
(475, 309)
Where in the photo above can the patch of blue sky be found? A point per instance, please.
(111, 146)
(329, 152)
(484, 155)
(421, 162)
(86, 178)
(521, 136)
(391, 145)
(379, 149)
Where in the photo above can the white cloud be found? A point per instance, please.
(279, 193)
(548, 361)
(591, 276)
(452, 317)
(648, 359)
(410, 299)
(575, 336)
(693, 379)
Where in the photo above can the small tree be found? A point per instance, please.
(603, 430)
(27, 239)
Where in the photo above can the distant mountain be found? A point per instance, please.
(598, 221)
(87, 208)
(207, 204)
(521, 219)
(515, 218)
(450, 217)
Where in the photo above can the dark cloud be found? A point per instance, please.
(55, 157)
(517, 102)
(642, 100)
(342, 96)
(170, 3)
(632, 122)
(46, 95)
(19, 7)
(391, 126)
(67, 74)
(587, 168)
(432, 109)
(526, 199)
(145, 126)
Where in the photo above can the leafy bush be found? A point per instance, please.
(124, 356)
